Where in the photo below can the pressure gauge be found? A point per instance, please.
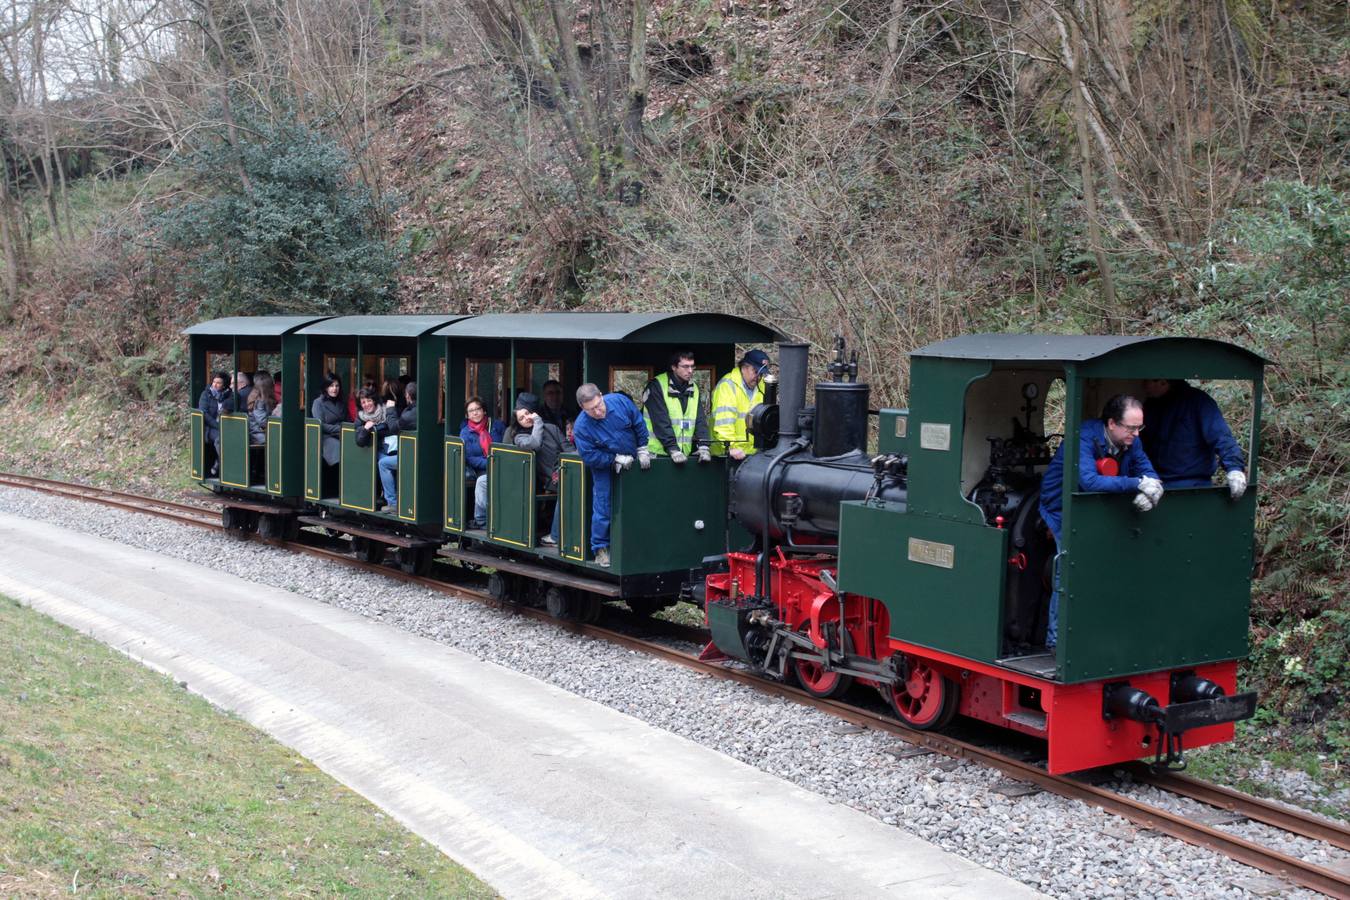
(1031, 390)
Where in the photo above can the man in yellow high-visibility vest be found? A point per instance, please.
(674, 414)
(736, 394)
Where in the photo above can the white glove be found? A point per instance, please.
(644, 458)
(704, 455)
(1142, 503)
(678, 458)
(622, 462)
(1237, 483)
(1152, 489)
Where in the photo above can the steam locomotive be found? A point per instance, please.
(899, 549)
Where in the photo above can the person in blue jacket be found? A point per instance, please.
(1186, 433)
(609, 436)
(1110, 459)
(479, 432)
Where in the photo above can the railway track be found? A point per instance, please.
(1300, 872)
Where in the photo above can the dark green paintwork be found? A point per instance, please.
(511, 501)
(234, 451)
(377, 326)
(959, 610)
(198, 429)
(357, 474)
(408, 477)
(455, 511)
(1165, 588)
(275, 445)
(938, 398)
(250, 326)
(1060, 348)
(893, 431)
(313, 459)
(647, 328)
(654, 515)
(724, 629)
(574, 525)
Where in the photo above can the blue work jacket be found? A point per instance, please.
(621, 432)
(1092, 446)
(1184, 433)
(475, 460)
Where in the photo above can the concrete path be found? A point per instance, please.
(537, 791)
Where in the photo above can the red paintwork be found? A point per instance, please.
(1067, 716)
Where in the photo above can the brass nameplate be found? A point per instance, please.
(934, 436)
(901, 426)
(931, 553)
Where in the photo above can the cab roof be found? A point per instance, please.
(252, 326)
(380, 326)
(1062, 347)
(651, 328)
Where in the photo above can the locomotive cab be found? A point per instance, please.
(964, 567)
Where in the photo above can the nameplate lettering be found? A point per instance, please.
(932, 553)
(935, 436)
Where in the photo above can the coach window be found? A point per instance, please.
(629, 380)
(487, 380)
(1003, 435)
(440, 394)
(705, 377)
(532, 373)
(344, 367)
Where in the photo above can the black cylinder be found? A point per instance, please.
(793, 360)
(841, 418)
(820, 487)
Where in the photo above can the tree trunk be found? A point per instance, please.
(1089, 189)
(226, 110)
(637, 92)
(9, 241)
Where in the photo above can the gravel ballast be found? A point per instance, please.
(1058, 846)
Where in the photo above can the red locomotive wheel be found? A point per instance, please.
(818, 681)
(925, 700)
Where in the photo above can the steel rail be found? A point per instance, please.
(1301, 872)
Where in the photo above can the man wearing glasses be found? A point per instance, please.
(673, 413)
(1110, 459)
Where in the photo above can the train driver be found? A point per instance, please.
(1109, 459)
(1186, 433)
(609, 435)
(736, 394)
(673, 412)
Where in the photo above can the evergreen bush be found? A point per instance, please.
(278, 224)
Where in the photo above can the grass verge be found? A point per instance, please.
(115, 782)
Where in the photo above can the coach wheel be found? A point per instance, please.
(270, 526)
(560, 603)
(502, 587)
(235, 521)
(926, 699)
(591, 607)
(415, 560)
(814, 678)
(368, 551)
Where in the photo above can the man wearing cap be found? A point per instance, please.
(673, 413)
(735, 395)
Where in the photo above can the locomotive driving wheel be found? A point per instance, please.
(925, 699)
(817, 680)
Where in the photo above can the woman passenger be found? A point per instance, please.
(478, 432)
(331, 411)
(388, 464)
(529, 431)
(392, 394)
(259, 406)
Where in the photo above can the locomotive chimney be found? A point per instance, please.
(792, 365)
